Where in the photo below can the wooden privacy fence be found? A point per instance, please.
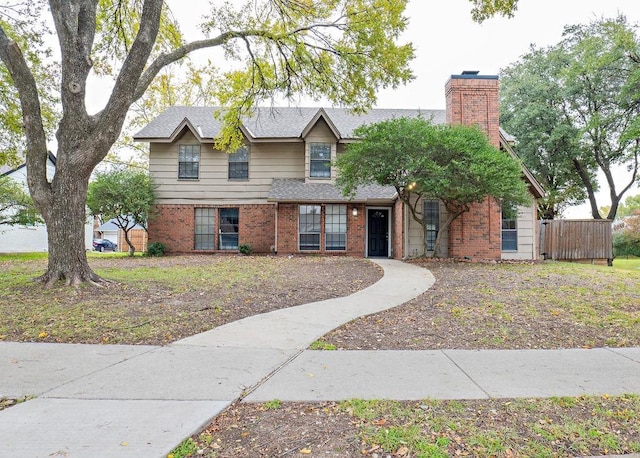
(137, 236)
(576, 240)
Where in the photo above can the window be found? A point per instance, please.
(431, 217)
(189, 162)
(205, 233)
(509, 228)
(320, 163)
(335, 227)
(228, 229)
(309, 227)
(239, 164)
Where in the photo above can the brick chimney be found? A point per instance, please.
(472, 99)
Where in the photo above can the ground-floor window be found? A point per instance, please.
(335, 227)
(309, 227)
(229, 219)
(431, 217)
(509, 228)
(205, 231)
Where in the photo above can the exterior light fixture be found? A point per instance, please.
(354, 212)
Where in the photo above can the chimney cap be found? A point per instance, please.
(473, 74)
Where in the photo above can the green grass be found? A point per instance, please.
(632, 264)
(321, 345)
(552, 427)
(274, 404)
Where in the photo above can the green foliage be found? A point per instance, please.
(16, 206)
(19, 25)
(245, 249)
(631, 206)
(484, 9)
(574, 109)
(455, 164)
(626, 240)
(124, 195)
(343, 51)
(156, 249)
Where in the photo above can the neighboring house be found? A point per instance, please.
(112, 232)
(18, 238)
(277, 193)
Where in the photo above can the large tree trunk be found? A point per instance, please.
(586, 181)
(65, 218)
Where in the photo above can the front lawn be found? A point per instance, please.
(507, 306)
(160, 300)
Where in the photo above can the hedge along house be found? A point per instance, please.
(278, 192)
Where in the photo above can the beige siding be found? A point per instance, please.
(320, 133)
(415, 234)
(526, 225)
(266, 162)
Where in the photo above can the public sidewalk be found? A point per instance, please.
(141, 401)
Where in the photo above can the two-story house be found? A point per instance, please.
(278, 193)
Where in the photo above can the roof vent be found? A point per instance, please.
(470, 72)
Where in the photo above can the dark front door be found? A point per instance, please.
(378, 232)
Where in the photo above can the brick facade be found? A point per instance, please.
(174, 225)
(477, 233)
(398, 230)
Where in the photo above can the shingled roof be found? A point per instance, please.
(296, 190)
(268, 123)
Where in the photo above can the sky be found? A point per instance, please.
(447, 41)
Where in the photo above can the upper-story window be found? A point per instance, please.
(239, 164)
(320, 160)
(189, 162)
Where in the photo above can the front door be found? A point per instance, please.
(378, 233)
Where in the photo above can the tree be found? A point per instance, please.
(626, 238)
(125, 196)
(16, 207)
(531, 108)
(574, 109)
(455, 164)
(341, 50)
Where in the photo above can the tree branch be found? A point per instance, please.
(37, 155)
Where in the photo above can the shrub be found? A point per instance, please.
(245, 249)
(156, 249)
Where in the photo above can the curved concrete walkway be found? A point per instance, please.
(141, 401)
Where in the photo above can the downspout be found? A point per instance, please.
(275, 248)
(405, 235)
